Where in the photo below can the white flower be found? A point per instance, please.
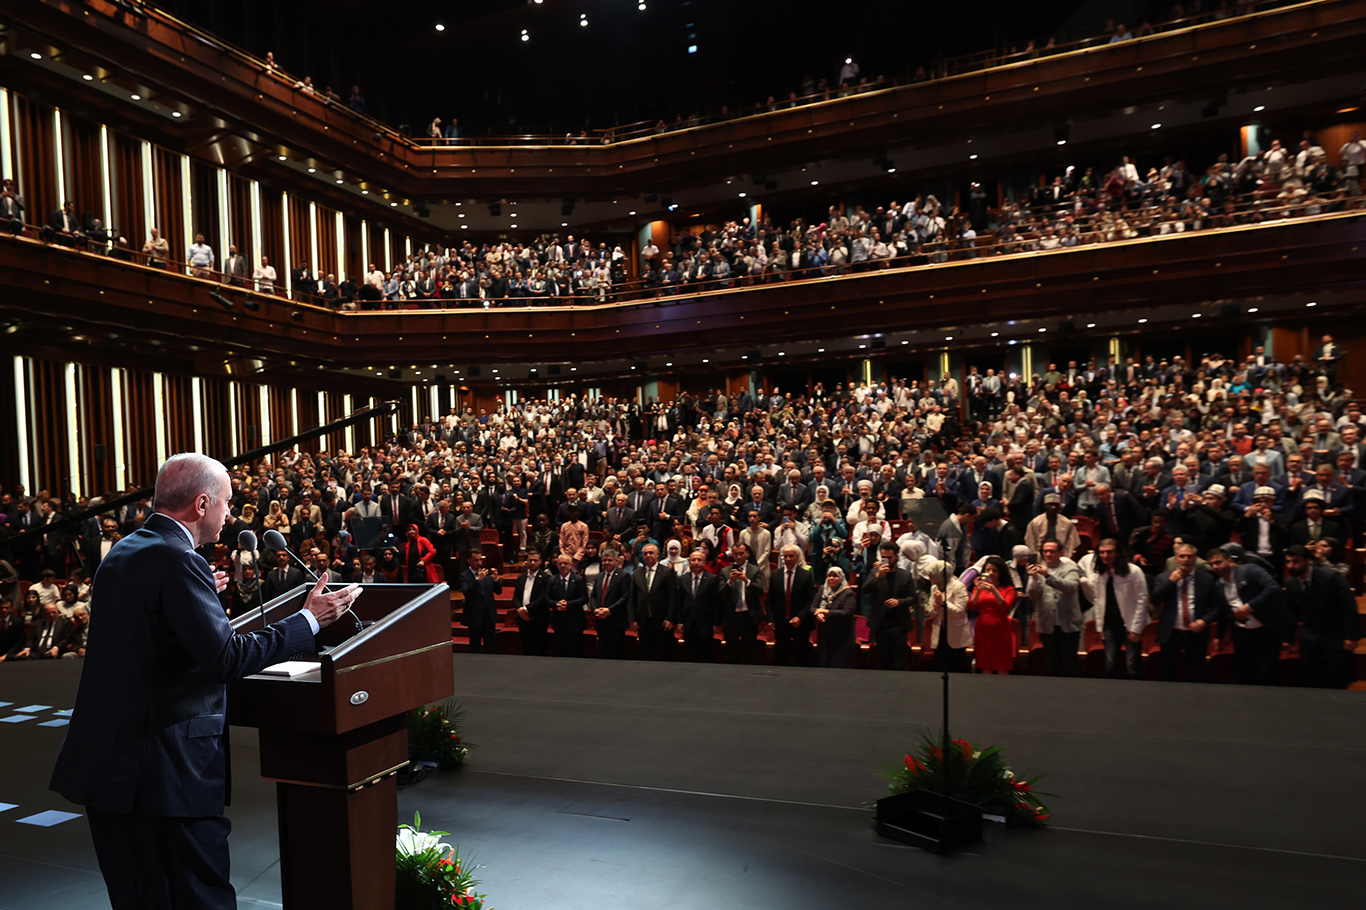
(976, 755)
(1008, 774)
(409, 842)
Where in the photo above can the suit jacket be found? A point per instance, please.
(655, 602)
(1129, 514)
(1328, 608)
(899, 586)
(536, 605)
(1300, 533)
(481, 611)
(702, 608)
(781, 607)
(1206, 601)
(614, 596)
(277, 581)
(574, 592)
(147, 732)
(753, 601)
(1264, 595)
(621, 521)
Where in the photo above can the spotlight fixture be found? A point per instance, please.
(88, 78)
(583, 20)
(525, 36)
(440, 27)
(175, 113)
(296, 315)
(219, 299)
(249, 304)
(36, 56)
(1062, 132)
(135, 96)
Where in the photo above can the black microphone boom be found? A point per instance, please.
(276, 541)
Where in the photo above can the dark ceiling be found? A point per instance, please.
(625, 65)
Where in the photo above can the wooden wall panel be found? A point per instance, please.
(96, 418)
(239, 220)
(37, 161)
(170, 197)
(327, 244)
(127, 190)
(140, 448)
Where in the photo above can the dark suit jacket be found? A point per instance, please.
(702, 609)
(730, 596)
(574, 592)
(617, 597)
(1329, 609)
(623, 524)
(1264, 595)
(146, 735)
(275, 583)
(899, 585)
(1299, 531)
(803, 590)
(655, 603)
(1207, 601)
(1128, 512)
(537, 605)
(480, 609)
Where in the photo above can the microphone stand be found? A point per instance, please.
(942, 649)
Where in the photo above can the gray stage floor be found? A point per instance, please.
(635, 785)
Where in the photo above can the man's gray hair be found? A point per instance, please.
(184, 477)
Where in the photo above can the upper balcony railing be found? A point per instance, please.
(939, 69)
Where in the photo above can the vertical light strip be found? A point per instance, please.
(407, 248)
(224, 222)
(6, 155)
(436, 402)
(322, 418)
(341, 249)
(388, 254)
(187, 208)
(315, 266)
(256, 251)
(197, 406)
(364, 250)
(107, 185)
(350, 430)
(294, 412)
(21, 414)
(63, 193)
(73, 424)
(116, 377)
(1027, 362)
(232, 419)
(287, 266)
(944, 369)
(149, 199)
(159, 413)
(265, 415)
(1114, 348)
(415, 406)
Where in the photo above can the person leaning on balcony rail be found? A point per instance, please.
(157, 249)
(11, 207)
(201, 258)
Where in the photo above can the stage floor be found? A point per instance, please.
(638, 785)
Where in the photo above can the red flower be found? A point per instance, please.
(1021, 786)
(964, 746)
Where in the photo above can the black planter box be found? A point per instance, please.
(929, 820)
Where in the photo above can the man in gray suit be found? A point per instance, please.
(146, 751)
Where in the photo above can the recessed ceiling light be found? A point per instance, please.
(782, 353)
(1062, 142)
(440, 27)
(630, 213)
(583, 20)
(393, 205)
(1252, 309)
(175, 113)
(36, 56)
(339, 180)
(365, 192)
(313, 170)
(464, 227)
(904, 341)
(1156, 126)
(743, 195)
(669, 364)
(862, 346)
(744, 356)
(1312, 303)
(994, 334)
(820, 350)
(283, 158)
(972, 157)
(705, 360)
(461, 215)
(1090, 325)
(573, 369)
(564, 224)
(1043, 330)
(1195, 315)
(815, 183)
(88, 78)
(948, 338)
(1142, 321)
(1259, 108)
(135, 96)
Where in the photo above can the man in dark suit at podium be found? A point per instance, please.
(146, 749)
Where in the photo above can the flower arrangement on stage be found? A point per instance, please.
(434, 735)
(977, 776)
(431, 873)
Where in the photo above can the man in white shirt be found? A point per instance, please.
(201, 258)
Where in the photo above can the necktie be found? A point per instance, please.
(1114, 521)
(1315, 531)
(46, 643)
(1186, 602)
(606, 583)
(695, 579)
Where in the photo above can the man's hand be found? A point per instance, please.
(1177, 577)
(602, 613)
(326, 605)
(795, 621)
(524, 613)
(52, 652)
(1135, 637)
(220, 581)
(668, 626)
(1198, 625)
(890, 603)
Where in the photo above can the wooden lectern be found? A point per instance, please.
(334, 737)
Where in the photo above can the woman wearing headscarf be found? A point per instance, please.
(992, 598)
(245, 592)
(813, 511)
(950, 633)
(832, 610)
(419, 558)
(389, 565)
(674, 557)
(731, 504)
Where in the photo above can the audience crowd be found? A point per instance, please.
(1170, 503)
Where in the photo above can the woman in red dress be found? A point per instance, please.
(994, 634)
